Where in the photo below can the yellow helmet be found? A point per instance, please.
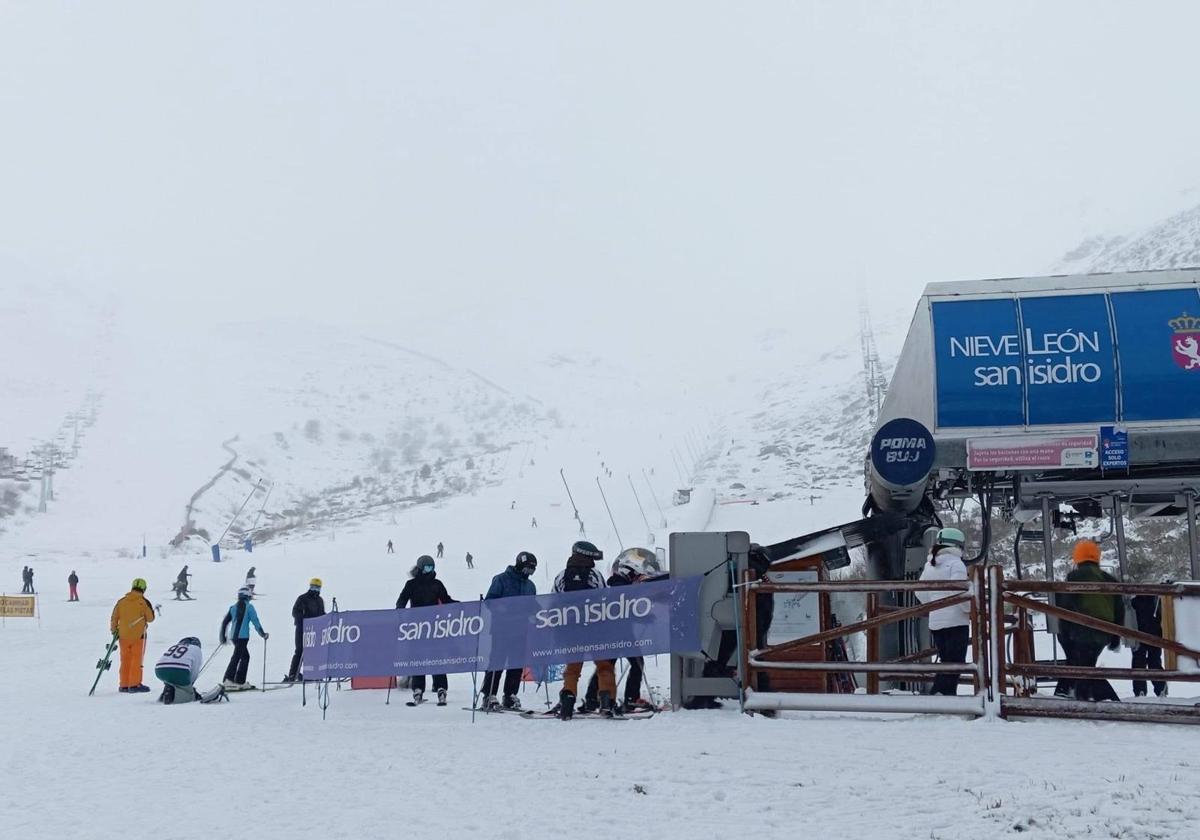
(315, 582)
(139, 584)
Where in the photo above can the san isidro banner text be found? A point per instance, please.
(637, 620)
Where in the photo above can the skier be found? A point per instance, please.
(626, 570)
(440, 549)
(512, 582)
(129, 618)
(580, 574)
(29, 576)
(949, 626)
(533, 522)
(24, 580)
(178, 668)
(514, 505)
(470, 561)
(390, 549)
(251, 579)
(73, 586)
(1083, 644)
(238, 619)
(423, 589)
(181, 585)
(308, 605)
(1148, 609)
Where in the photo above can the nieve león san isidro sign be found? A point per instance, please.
(1067, 359)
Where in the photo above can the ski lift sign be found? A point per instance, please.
(17, 606)
(1034, 452)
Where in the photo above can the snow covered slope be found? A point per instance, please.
(1171, 243)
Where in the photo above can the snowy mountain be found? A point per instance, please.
(1171, 243)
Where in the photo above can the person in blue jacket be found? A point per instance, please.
(236, 626)
(512, 582)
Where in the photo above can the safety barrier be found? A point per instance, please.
(1002, 667)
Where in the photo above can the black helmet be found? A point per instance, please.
(583, 548)
(425, 565)
(759, 559)
(190, 640)
(525, 563)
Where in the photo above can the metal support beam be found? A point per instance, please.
(1193, 559)
(1048, 558)
(1119, 530)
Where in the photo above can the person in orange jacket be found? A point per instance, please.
(129, 619)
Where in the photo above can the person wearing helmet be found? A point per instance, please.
(236, 627)
(129, 618)
(949, 626)
(515, 581)
(580, 575)
(178, 668)
(308, 605)
(627, 569)
(1083, 645)
(423, 589)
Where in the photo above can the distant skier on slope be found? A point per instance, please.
(579, 575)
(73, 586)
(236, 624)
(130, 616)
(181, 585)
(512, 582)
(390, 548)
(423, 589)
(440, 549)
(308, 605)
(470, 561)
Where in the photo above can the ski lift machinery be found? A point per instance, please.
(1045, 399)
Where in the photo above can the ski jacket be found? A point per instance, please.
(510, 583)
(423, 591)
(130, 616)
(308, 605)
(1104, 607)
(241, 615)
(1148, 609)
(72, 578)
(576, 578)
(947, 565)
(183, 658)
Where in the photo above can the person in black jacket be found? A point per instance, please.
(308, 605)
(423, 589)
(1148, 609)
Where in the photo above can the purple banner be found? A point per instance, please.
(636, 620)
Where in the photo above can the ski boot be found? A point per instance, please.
(511, 703)
(418, 696)
(590, 705)
(566, 705)
(441, 694)
(489, 703)
(607, 708)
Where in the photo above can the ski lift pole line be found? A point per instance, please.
(239, 511)
(620, 542)
(266, 498)
(563, 476)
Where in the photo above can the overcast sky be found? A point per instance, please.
(533, 174)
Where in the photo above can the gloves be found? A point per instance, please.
(224, 640)
(266, 636)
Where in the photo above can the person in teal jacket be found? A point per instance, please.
(236, 626)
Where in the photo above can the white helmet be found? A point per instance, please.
(635, 562)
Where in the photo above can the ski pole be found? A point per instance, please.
(264, 679)
(211, 657)
(475, 666)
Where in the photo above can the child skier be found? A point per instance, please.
(129, 618)
(238, 620)
(580, 574)
(513, 581)
(178, 668)
(423, 589)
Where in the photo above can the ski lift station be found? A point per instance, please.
(1046, 400)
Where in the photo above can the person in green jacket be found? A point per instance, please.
(1084, 644)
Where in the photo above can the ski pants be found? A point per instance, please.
(239, 663)
(1148, 658)
(132, 651)
(951, 644)
(633, 681)
(1085, 653)
(439, 682)
(74, 596)
(512, 681)
(294, 668)
(604, 674)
